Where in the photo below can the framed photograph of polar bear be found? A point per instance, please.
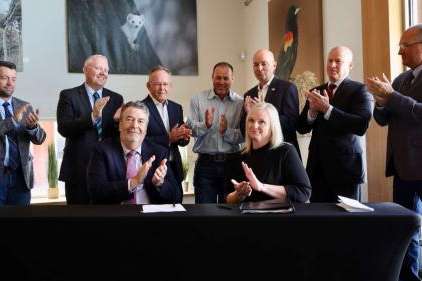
(135, 35)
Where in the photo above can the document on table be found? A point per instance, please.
(352, 205)
(167, 208)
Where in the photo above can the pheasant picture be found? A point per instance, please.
(287, 56)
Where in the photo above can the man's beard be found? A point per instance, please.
(4, 94)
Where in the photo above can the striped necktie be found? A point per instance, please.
(98, 124)
(12, 138)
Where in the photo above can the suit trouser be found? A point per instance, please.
(325, 191)
(76, 193)
(409, 194)
(13, 190)
(208, 181)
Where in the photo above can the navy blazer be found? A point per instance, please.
(403, 115)
(74, 122)
(107, 183)
(335, 147)
(157, 134)
(284, 96)
(24, 137)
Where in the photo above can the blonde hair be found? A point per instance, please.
(275, 128)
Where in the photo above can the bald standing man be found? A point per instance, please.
(282, 94)
(337, 113)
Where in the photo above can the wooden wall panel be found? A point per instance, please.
(379, 31)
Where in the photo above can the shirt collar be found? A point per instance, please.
(91, 91)
(337, 83)
(9, 100)
(212, 95)
(266, 85)
(156, 102)
(126, 150)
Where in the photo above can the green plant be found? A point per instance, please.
(52, 166)
(185, 161)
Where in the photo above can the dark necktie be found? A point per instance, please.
(131, 170)
(99, 122)
(13, 162)
(330, 90)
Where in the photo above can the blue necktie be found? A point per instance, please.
(98, 124)
(13, 162)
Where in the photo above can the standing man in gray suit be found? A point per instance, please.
(18, 127)
(399, 105)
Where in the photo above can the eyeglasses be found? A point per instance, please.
(407, 45)
(13, 79)
(158, 84)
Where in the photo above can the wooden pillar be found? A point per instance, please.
(382, 25)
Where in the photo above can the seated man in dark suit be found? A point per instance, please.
(129, 169)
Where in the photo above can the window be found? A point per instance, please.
(40, 155)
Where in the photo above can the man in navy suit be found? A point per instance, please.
(129, 169)
(166, 127)
(337, 113)
(85, 117)
(399, 105)
(18, 128)
(282, 94)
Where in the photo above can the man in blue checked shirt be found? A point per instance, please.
(214, 120)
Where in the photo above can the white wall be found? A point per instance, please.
(224, 27)
(256, 36)
(342, 25)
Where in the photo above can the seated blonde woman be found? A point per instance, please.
(268, 167)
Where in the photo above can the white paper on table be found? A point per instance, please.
(352, 205)
(163, 208)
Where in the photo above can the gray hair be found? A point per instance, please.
(276, 133)
(136, 104)
(92, 57)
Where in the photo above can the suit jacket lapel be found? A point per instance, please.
(338, 94)
(171, 109)
(84, 100)
(272, 90)
(154, 113)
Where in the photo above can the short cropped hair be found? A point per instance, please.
(158, 68)
(276, 133)
(222, 63)
(136, 104)
(7, 64)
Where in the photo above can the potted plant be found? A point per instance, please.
(53, 189)
(185, 168)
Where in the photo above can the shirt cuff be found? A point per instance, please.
(311, 118)
(328, 113)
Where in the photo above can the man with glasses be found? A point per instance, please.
(85, 117)
(282, 94)
(166, 127)
(399, 105)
